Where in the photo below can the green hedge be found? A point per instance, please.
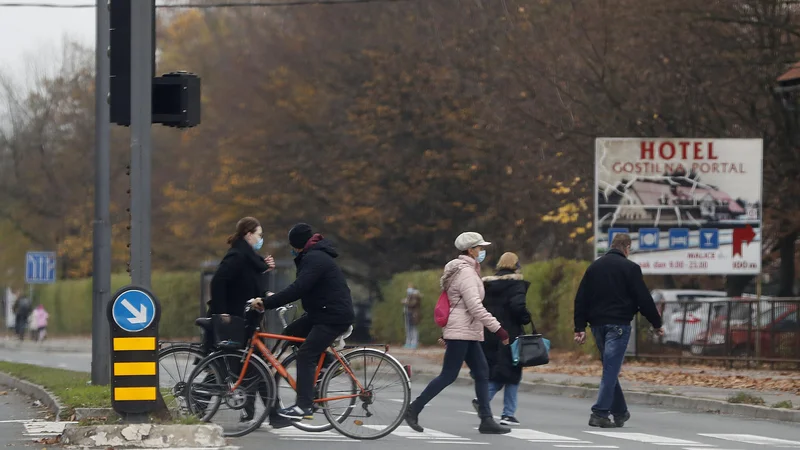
(550, 300)
(70, 303)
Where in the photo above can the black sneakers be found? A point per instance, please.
(296, 413)
(511, 421)
(601, 422)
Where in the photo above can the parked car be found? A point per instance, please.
(670, 303)
(777, 328)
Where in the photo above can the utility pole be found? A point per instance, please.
(101, 272)
(141, 73)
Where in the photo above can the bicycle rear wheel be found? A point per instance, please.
(372, 393)
(211, 393)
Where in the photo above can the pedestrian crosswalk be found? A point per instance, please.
(36, 430)
(587, 439)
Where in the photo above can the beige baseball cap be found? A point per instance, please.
(470, 239)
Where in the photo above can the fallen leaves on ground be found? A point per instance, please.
(49, 440)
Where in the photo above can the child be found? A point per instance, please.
(40, 317)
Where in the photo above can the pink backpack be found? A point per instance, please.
(442, 311)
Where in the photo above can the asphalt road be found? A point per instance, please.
(548, 422)
(20, 421)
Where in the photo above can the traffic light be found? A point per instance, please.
(119, 54)
(176, 100)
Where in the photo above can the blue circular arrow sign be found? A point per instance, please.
(133, 310)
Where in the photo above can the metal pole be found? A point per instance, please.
(758, 318)
(101, 247)
(141, 119)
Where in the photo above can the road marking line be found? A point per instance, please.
(539, 436)
(752, 439)
(648, 438)
(584, 446)
(458, 442)
(406, 432)
(473, 413)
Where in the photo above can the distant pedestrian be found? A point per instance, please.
(611, 292)
(40, 317)
(412, 310)
(463, 333)
(22, 310)
(505, 300)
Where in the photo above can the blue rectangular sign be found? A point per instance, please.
(40, 267)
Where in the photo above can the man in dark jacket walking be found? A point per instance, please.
(611, 292)
(328, 309)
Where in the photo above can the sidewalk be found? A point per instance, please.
(692, 382)
(569, 370)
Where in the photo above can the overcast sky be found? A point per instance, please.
(31, 34)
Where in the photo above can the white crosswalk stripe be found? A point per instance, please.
(755, 440)
(648, 438)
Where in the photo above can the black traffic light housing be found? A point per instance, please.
(176, 95)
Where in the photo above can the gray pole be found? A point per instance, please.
(101, 272)
(141, 120)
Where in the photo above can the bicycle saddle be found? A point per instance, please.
(203, 322)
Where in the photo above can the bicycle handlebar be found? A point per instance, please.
(282, 314)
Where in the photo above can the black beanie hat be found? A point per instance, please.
(299, 235)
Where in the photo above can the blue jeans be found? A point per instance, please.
(455, 355)
(509, 396)
(612, 341)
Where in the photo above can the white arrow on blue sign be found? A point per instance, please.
(133, 310)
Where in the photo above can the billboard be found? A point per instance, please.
(691, 206)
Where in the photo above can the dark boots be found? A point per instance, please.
(489, 426)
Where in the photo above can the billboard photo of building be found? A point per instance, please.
(691, 206)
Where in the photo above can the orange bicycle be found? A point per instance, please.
(362, 392)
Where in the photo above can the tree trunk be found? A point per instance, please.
(787, 269)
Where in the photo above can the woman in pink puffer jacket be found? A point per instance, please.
(464, 333)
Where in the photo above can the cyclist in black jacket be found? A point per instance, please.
(328, 305)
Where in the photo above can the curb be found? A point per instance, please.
(35, 391)
(646, 398)
(144, 436)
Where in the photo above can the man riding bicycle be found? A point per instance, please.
(326, 299)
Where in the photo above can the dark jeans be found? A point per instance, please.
(612, 341)
(456, 354)
(318, 340)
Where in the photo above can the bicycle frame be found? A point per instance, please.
(257, 343)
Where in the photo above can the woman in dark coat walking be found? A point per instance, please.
(505, 300)
(239, 278)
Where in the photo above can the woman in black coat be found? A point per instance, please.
(505, 300)
(239, 278)
(240, 274)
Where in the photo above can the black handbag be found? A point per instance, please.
(530, 350)
(231, 335)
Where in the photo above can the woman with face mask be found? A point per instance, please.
(239, 275)
(463, 333)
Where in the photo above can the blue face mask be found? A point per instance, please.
(258, 244)
(410, 291)
(481, 256)
(294, 253)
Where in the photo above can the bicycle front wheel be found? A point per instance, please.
(213, 392)
(381, 390)
(175, 364)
